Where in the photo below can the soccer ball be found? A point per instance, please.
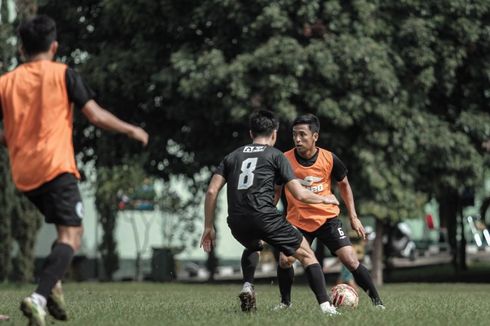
(344, 295)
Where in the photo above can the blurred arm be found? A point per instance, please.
(106, 120)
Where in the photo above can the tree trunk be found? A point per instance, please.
(448, 213)
(462, 244)
(107, 248)
(377, 270)
(6, 199)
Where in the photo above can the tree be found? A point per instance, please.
(20, 220)
(400, 87)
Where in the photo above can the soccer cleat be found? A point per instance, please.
(329, 309)
(33, 311)
(282, 306)
(247, 299)
(378, 304)
(56, 303)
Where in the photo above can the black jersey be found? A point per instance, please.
(251, 172)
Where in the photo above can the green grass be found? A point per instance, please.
(188, 304)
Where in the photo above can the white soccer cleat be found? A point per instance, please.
(329, 309)
(282, 306)
(33, 311)
(378, 304)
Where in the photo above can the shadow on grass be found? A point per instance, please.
(476, 273)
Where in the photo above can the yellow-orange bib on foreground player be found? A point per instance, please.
(315, 178)
(37, 119)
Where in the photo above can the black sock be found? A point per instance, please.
(285, 277)
(316, 280)
(55, 267)
(250, 259)
(364, 280)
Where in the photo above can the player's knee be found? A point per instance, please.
(286, 263)
(306, 257)
(351, 262)
(71, 236)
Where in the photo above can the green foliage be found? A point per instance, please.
(401, 87)
(19, 219)
(110, 182)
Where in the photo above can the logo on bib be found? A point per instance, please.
(308, 182)
(79, 209)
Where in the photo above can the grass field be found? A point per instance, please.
(189, 304)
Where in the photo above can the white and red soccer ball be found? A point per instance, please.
(344, 295)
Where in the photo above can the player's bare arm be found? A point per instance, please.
(106, 120)
(348, 198)
(306, 196)
(214, 188)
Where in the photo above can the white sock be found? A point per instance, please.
(247, 286)
(39, 299)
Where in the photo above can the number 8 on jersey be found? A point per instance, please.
(246, 178)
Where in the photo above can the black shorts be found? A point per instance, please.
(59, 200)
(330, 234)
(273, 229)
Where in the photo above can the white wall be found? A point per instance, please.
(227, 246)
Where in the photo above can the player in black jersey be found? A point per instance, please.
(252, 171)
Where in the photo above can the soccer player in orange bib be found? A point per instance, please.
(36, 108)
(315, 168)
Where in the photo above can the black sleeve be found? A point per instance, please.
(339, 171)
(78, 92)
(286, 173)
(221, 169)
(1, 112)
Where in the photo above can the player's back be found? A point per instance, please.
(37, 120)
(251, 173)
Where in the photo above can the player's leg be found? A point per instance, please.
(315, 276)
(242, 231)
(285, 238)
(249, 262)
(285, 278)
(285, 274)
(345, 277)
(60, 203)
(332, 235)
(348, 257)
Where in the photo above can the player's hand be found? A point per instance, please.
(139, 134)
(357, 226)
(208, 239)
(330, 199)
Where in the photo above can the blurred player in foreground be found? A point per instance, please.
(36, 108)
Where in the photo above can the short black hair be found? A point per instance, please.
(37, 34)
(308, 119)
(263, 123)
